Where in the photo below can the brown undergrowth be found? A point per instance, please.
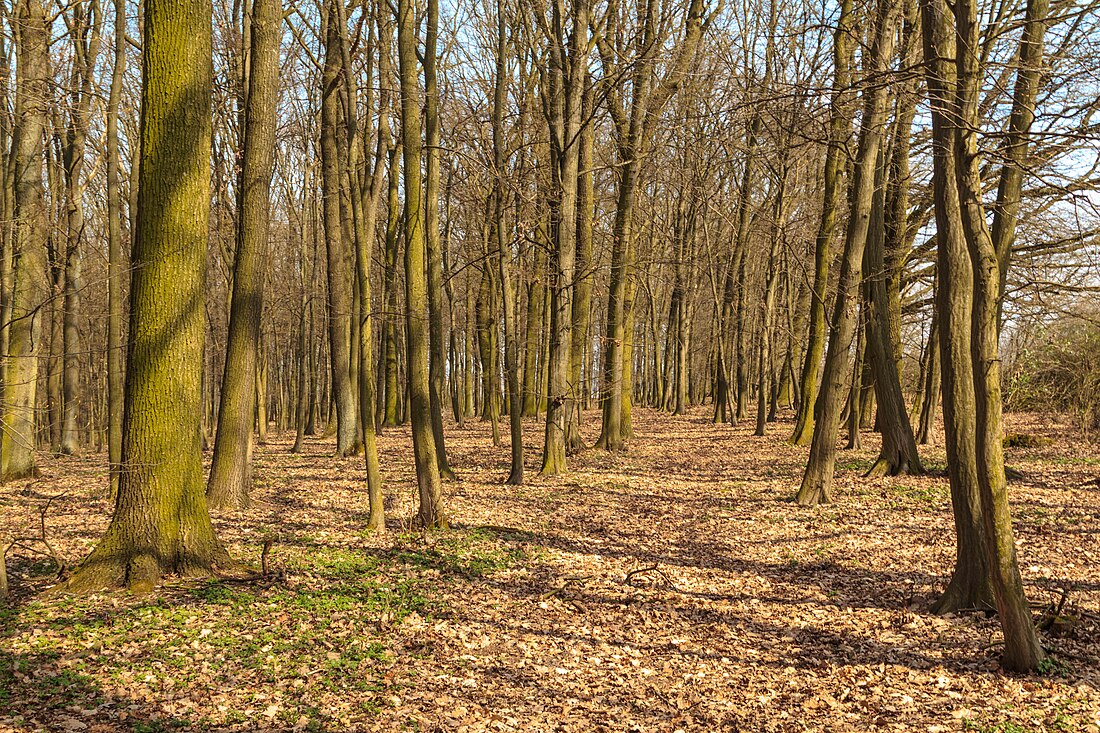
(672, 587)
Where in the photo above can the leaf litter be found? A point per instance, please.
(673, 587)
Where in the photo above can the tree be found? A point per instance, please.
(818, 478)
(969, 272)
(567, 74)
(504, 256)
(30, 288)
(231, 469)
(160, 523)
(431, 512)
(840, 126)
(338, 248)
(116, 260)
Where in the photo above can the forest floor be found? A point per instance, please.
(674, 587)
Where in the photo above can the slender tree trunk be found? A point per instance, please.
(243, 394)
(30, 286)
(339, 250)
(899, 448)
(431, 238)
(430, 513)
(117, 269)
(839, 132)
(84, 23)
(818, 478)
(503, 256)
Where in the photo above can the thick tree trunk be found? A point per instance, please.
(970, 585)
(160, 523)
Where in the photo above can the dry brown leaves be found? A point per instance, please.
(673, 587)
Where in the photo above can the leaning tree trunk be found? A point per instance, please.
(30, 286)
(839, 132)
(231, 467)
(818, 478)
(161, 524)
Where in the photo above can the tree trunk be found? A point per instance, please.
(818, 478)
(30, 286)
(839, 132)
(242, 393)
(338, 248)
(431, 227)
(430, 513)
(117, 266)
(160, 523)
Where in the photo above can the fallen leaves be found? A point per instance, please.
(672, 587)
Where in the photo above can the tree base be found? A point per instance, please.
(885, 466)
(140, 572)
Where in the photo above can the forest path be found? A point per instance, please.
(671, 587)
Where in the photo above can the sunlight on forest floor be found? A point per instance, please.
(673, 587)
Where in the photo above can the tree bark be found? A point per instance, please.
(160, 524)
(30, 285)
(242, 394)
(430, 513)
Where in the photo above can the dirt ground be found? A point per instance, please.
(674, 587)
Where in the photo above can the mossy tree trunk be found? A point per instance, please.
(1023, 651)
(242, 395)
(840, 131)
(970, 585)
(160, 524)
